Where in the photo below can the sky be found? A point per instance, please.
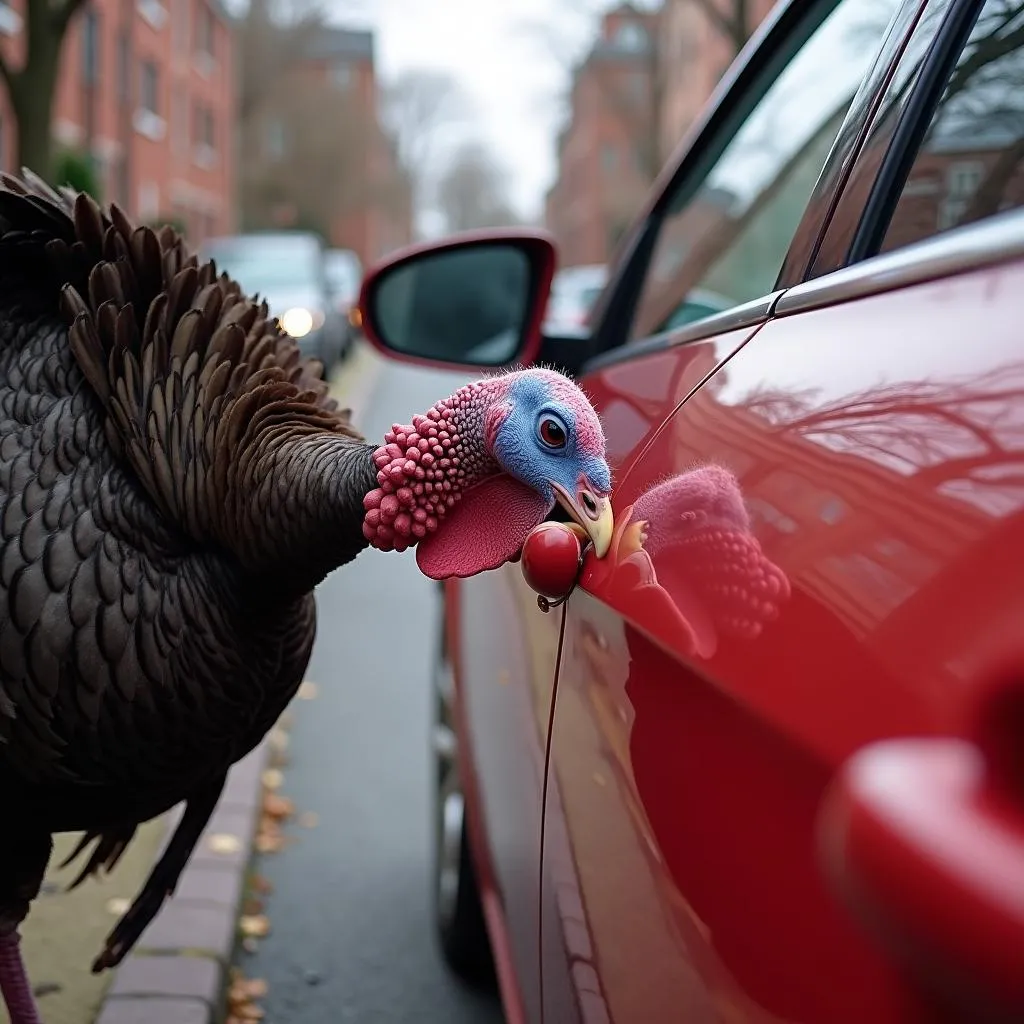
(510, 56)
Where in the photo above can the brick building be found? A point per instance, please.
(632, 99)
(376, 217)
(347, 184)
(148, 89)
(604, 152)
(694, 54)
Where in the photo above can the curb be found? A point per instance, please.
(178, 971)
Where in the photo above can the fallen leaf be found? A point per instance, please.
(224, 842)
(279, 807)
(257, 925)
(247, 989)
(269, 843)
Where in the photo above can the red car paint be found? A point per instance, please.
(818, 818)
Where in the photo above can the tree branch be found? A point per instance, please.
(63, 14)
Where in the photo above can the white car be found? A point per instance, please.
(573, 293)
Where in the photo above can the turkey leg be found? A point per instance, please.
(14, 984)
(163, 878)
(22, 866)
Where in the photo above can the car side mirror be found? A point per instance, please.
(474, 299)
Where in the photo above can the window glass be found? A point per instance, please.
(90, 47)
(727, 231)
(971, 163)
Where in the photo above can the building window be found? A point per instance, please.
(179, 122)
(206, 128)
(205, 33)
(204, 152)
(180, 25)
(276, 141)
(341, 76)
(632, 37)
(90, 47)
(124, 63)
(962, 181)
(10, 19)
(149, 87)
(153, 12)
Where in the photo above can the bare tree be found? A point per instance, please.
(272, 39)
(416, 108)
(304, 143)
(31, 86)
(472, 191)
(640, 110)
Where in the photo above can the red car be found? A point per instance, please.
(767, 761)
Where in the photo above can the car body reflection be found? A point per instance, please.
(684, 562)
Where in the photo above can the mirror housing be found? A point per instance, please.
(476, 299)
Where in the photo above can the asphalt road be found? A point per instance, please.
(352, 935)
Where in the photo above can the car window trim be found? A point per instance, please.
(745, 314)
(995, 239)
(613, 312)
(914, 120)
(842, 158)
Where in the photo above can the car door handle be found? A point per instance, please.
(927, 848)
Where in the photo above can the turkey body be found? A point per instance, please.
(133, 667)
(174, 481)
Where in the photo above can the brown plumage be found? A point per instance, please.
(174, 481)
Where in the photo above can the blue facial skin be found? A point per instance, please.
(522, 453)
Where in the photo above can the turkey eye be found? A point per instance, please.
(552, 433)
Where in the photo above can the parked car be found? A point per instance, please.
(344, 276)
(573, 292)
(287, 268)
(766, 763)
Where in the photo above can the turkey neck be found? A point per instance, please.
(300, 508)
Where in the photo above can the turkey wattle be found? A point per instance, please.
(174, 482)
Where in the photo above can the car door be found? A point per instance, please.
(734, 833)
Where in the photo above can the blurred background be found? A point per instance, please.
(298, 143)
(371, 123)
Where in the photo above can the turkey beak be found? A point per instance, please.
(592, 515)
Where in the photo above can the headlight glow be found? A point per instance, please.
(298, 322)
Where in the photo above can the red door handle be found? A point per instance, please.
(930, 854)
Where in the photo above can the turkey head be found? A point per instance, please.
(468, 481)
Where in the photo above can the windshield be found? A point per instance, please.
(267, 267)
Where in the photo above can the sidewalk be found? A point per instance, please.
(177, 973)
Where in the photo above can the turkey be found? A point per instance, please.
(174, 482)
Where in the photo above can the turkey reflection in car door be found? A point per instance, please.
(676, 811)
(636, 399)
(805, 561)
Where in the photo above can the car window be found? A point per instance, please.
(971, 162)
(728, 232)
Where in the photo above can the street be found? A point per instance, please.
(352, 936)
